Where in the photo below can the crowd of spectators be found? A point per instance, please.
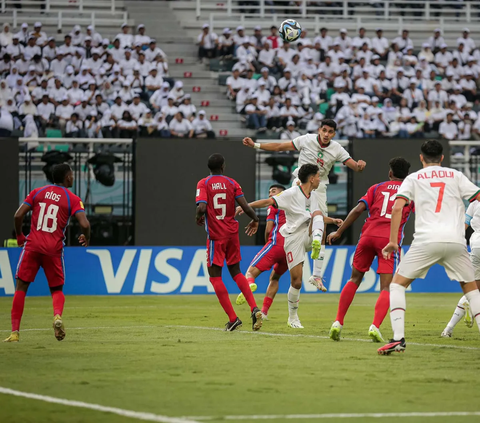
(90, 86)
(372, 86)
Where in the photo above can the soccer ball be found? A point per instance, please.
(290, 30)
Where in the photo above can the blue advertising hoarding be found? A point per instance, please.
(182, 270)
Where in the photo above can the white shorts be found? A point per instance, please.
(475, 259)
(453, 257)
(296, 246)
(319, 197)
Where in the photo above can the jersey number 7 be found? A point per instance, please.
(440, 185)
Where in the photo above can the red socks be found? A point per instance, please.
(244, 286)
(17, 309)
(381, 308)
(250, 280)
(346, 298)
(267, 302)
(58, 300)
(223, 298)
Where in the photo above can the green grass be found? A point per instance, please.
(126, 352)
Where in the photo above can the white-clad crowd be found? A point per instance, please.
(90, 86)
(371, 86)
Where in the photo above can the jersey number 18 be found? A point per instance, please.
(45, 218)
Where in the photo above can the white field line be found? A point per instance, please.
(119, 411)
(284, 335)
(342, 416)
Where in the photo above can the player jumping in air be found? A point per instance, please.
(271, 255)
(216, 196)
(438, 193)
(51, 206)
(322, 151)
(378, 201)
(303, 222)
(472, 218)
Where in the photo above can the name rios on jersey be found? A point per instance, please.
(53, 196)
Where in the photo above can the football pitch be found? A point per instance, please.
(166, 359)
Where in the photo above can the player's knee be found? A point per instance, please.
(234, 269)
(297, 283)
(317, 213)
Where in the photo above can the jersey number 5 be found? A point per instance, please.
(45, 218)
(440, 185)
(218, 206)
(386, 200)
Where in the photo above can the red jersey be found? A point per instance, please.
(379, 200)
(51, 207)
(277, 216)
(219, 193)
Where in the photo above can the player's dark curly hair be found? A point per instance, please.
(60, 172)
(306, 171)
(400, 167)
(432, 151)
(277, 186)
(215, 162)
(329, 122)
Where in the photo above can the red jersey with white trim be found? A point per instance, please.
(52, 206)
(379, 201)
(219, 193)
(278, 218)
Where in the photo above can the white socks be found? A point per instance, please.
(318, 264)
(473, 298)
(397, 310)
(318, 227)
(293, 300)
(457, 314)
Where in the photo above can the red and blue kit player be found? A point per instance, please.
(378, 201)
(271, 255)
(51, 206)
(216, 200)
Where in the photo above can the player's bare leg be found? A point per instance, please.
(294, 296)
(252, 274)
(58, 299)
(317, 229)
(462, 310)
(215, 273)
(272, 290)
(346, 298)
(381, 307)
(242, 283)
(398, 305)
(18, 305)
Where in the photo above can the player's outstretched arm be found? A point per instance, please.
(260, 204)
(356, 166)
(252, 227)
(83, 239)
(269, 146)
(394, 227)
(354, 214)
(18, 219)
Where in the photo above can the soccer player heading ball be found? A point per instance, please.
(51, 206)
(215, 198)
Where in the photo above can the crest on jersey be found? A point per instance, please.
(81, 205)
(198, 192)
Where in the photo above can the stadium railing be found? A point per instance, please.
(80, 5)
(445, 15)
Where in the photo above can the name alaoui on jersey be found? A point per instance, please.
(436, 174)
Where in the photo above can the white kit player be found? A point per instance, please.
(303, 224)
(438, 193)
(472, 218)
(323, 152)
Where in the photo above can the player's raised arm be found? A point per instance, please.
(397, 210)
(354, 214)
(18, 219)
(356, 166)
(269, 146)
(83, 239)
(252, 227)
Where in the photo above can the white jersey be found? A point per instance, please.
(312, 152)
(438, 193)
(297, 207)
(472, 218)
